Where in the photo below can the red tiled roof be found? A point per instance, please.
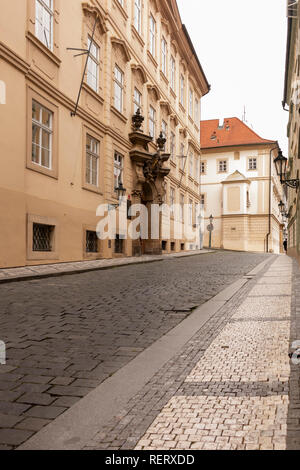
(233, 132)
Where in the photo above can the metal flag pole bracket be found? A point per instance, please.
(86, 52)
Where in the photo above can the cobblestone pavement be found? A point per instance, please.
(232, 387)
(64, 336)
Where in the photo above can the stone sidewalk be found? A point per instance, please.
(59, 269)
(230, 386)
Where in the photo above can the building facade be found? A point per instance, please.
(67, 142)
(291, 101)
(240, 187)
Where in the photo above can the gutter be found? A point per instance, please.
(196, 57)
(287, 60)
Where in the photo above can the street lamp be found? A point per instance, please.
(281, 165)
(281, 208)
(121, 191)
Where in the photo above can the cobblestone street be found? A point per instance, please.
(233, 387)
(64, 336)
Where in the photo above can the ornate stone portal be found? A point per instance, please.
(148, 180)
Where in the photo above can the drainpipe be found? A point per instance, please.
(270, 199)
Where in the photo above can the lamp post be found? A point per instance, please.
(281, 166)
(121, 191)
(210, 228)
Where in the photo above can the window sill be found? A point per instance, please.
(121, 9)
(51, 56)
(92, 92)
(118, 114)
(164, 78)
(181, 108)
(92, 189)
(137, 35)
(150, 56)
(44, 171)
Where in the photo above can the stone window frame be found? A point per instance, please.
(152, 46)
(52, 54)
(86, 130)
(219, 161)
(248, 164)
(33, 95)
(42, 255)
(88, 255)
(203, 162)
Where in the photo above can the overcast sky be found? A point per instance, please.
(241, 45)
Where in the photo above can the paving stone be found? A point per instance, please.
(46, 412)
(36, 399)
(14, 437)
(33, 424)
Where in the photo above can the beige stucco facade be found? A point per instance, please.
(238, 198)
(57, 168)
(292, 100)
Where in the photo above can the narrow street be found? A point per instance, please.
(66, 335)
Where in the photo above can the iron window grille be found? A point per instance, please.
(91, 242)
(252, 163)
(42, 237)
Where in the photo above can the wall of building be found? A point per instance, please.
(241, 222)
(31, 71)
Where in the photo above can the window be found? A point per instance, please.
(252, 163)
(42, 237)
(191, 97)
(119, 244)
(91, 242)
(152, 114)
(119, 81)
(92, 160)
(137, 100)
(121, 2)
(42, 120)
(222, 166)
(164, 56)
(197, 169)
(44, 22)
(138, 15)
(202, 200)
(118, 169)
(172, 200)
(197, 120)
(152, 36)
(182, 90)
(191, 164)
(93, 65)
(172, 73)
(190, 212)
(181, 214)
(202, 168)
(172, 145)
(182, 157)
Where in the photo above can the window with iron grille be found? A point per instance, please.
(42, 237)
(252, 163)
(119, 244)
(222, 166)
(91, 242)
